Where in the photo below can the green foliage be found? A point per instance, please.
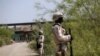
(86, 41)
(5, 36)
(49, 40)
(5, 32)
(48, 43)
(32, 45)
(82, 16)
(1, 42)
(85, 33)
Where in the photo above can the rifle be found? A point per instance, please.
(71, 48)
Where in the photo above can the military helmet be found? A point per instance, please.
(40, 32)
(57, 15)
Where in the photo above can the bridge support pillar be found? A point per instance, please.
(31, 26)
(15, 27)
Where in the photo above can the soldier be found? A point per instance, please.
(40, 44)
(59, 32)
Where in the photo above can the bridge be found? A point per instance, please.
(24, 32)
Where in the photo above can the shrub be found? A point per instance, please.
(5, 36)
(85, 34)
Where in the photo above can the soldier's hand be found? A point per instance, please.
(66, 33)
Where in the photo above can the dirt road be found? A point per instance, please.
(16, 49)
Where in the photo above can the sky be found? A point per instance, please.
(19, 11)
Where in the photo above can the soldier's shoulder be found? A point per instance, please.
(56, 26)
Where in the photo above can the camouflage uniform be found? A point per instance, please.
(59, 32)
(41, 43)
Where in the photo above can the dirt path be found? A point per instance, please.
(16, 49)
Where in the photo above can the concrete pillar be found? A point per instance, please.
(14, 27)
(31, 26)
